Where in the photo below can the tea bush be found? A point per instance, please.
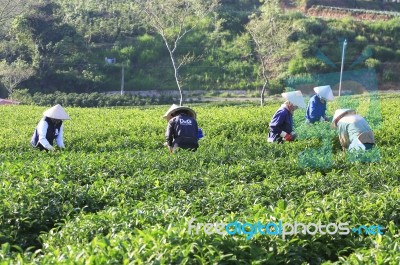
(116, 196)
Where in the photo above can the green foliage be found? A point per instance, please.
(115, 195)
(390, 76)
(86, 99)
(384, 54)
(372, 63)
(302, 65)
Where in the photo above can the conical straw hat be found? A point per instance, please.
(174, 108)
(340, 113)
(324, 92)
(56, 112)
(295, 97)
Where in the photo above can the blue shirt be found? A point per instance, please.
(281, 121)
(315, 109)
(200, 133)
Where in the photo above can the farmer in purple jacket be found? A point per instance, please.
(281, 125)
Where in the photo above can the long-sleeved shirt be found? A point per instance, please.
(45, 133)
(352, 127)
(315, 109)
(182, 130)
(282, 121)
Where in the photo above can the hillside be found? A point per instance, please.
(67, 43)
(338, 9)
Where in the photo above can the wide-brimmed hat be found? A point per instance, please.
(295, 97)
(340, 113)
(324, 92)
(56, 112)
(175, 108)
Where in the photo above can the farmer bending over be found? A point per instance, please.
(354, 131)
(50, 128)
(317, 105)
(182, 130)
(281, 125)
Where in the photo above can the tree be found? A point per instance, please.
(172, 20)
(11, 75)
(270, 31)
(10, 9)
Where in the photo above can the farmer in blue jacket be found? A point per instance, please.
(281, 125)
(182, 130)
(316, 109)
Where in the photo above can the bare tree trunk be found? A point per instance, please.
(266, 83)
(176, 75)
(264, 87)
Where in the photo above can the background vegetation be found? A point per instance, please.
(67, 43)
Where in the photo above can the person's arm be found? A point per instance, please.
(169, 134)
(343, 135)
(277, 121)
(59, 138)
(310, 114)
(42, 131)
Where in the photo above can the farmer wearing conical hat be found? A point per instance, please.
(354, 131)
(281, 125)
(182, 130)
(50, 128)
(316, 109)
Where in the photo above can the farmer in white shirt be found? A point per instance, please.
(354, 131)
(50, 128)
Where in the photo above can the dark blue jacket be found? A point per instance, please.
(183, 131)
(315, 109)
(281, 121)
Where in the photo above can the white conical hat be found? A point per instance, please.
(324, 92)
(174, 108)
(340, 113)
(295, 97)
(56, 112)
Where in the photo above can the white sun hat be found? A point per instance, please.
(295, 97)
(324, 92)
(174, 108)
(340, 113)
(56, 112)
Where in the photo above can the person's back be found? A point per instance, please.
(353, 126)
(354, 131)
(315, 110)
(184, 130)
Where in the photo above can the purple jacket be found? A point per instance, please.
(282, 121)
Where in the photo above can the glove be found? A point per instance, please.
(51, 148)
(286, 136)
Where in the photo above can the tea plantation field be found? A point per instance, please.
(116, 196)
